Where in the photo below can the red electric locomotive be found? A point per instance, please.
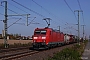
(47, 37)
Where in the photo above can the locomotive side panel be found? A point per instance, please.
(52, 38)
(62, 37)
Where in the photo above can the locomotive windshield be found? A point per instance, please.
(40, 32)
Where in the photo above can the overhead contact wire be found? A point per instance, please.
(29, 9)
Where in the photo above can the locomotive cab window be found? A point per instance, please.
(37, 32)
(43, 32)
(40, 32)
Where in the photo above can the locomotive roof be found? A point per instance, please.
(44, 29)
(48, 28)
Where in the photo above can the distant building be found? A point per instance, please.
(15, 36)
(0, 36)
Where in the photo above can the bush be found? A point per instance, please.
(66, 54)
(85, 42)
(73, 53)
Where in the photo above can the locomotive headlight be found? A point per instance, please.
(35, 37)
(43, 37)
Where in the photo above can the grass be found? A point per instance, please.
(15, 45)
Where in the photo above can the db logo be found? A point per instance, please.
(39, 37)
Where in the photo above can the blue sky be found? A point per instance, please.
(57, 10)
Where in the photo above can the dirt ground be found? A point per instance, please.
(16, 41)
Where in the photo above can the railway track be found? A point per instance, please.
(12, 53)
(17, 55)
(44, 54)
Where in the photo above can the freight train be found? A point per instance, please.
(48, 37)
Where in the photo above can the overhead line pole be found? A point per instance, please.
(78, 25)
(83, 30)
(5, 25)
